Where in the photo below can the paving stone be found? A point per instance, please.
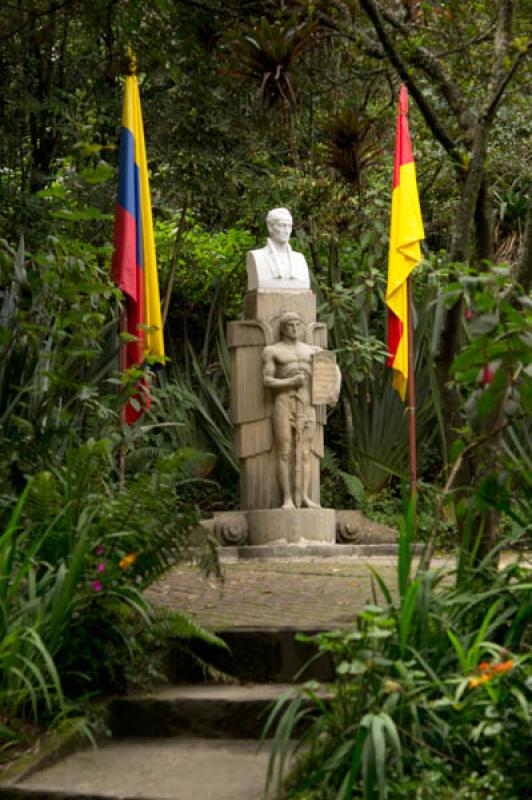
(161, 769)
(280, 593)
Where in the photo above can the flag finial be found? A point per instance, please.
(131, 61)
(403, 99)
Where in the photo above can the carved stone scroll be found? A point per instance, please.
(323, 378)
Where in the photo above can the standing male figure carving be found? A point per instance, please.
(287, 370)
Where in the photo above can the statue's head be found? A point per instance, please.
(289, 325)
(279, 223)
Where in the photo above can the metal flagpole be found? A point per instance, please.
(411, 400)
(122, 366)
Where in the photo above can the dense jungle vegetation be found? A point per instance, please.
(250, 105)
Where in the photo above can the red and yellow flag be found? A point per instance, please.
(134, 267)
(406, 231)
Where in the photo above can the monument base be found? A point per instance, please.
(291, 526)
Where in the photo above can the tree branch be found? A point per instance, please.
(36, 15)
(428, 112)
(498, 89)
(430, 64)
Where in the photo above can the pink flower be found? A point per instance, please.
(97, 586)
(487, 375)
(101, 567)
(468, 313)
(100, 550)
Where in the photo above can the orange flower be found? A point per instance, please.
(127, 561)
(489, 671)
(504, 666)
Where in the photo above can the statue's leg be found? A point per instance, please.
(282, 432)
(307, 465)
(284, 478)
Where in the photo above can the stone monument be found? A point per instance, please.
(282, 379)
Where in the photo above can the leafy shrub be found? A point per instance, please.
(75, 556)
(429, 688)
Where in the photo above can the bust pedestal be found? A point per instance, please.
(268, 304)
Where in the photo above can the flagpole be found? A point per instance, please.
(122, 366)
(411, 400)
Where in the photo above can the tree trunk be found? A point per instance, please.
(484, 223)
(524, 265)
(334, 271)
(43, 134)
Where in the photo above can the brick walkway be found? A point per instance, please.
(282, 594)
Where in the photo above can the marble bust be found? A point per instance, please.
(277, 266)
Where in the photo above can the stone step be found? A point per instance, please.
(215, 711)
(293, 551)
(158, 769)
(257, 655)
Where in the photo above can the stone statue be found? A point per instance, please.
(282, 380)
(277, 266)
(287, 371)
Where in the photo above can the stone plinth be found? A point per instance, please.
(286, 526)
(268, 304)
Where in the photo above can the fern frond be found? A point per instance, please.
(170, 624)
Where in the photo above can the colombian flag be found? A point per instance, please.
(406, 231)
(134, 267)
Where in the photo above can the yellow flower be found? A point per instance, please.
(474, 682)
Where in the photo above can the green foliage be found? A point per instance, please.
(56, 346)
(199, 394)
(492, 372)
(28, 674)
(220, 165)
(74, 559)
(375, 435)
(430, 687)
(209, 268)
(499, 342)
(149, 644)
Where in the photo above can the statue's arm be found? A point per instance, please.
(268, 372)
